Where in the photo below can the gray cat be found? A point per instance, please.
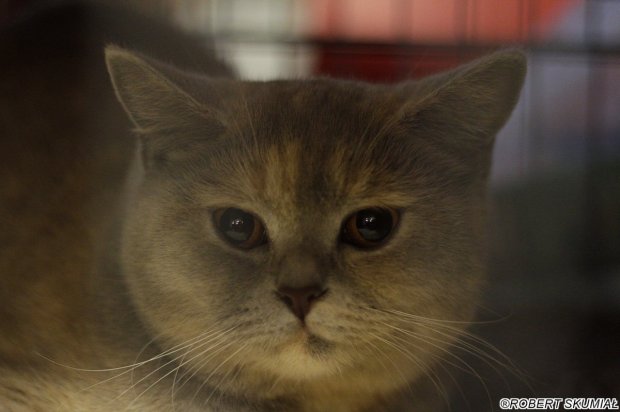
(303, 245)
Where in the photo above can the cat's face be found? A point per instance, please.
(287, 231)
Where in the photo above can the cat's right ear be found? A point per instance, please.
(155, 96)
(169, 107)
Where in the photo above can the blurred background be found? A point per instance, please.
(555, 224)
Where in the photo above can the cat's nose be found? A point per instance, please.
(300, 300)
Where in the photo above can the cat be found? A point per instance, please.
(301, 245)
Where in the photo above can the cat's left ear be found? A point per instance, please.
(465, 108)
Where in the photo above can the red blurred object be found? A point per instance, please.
(386, 40)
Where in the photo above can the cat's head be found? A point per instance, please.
(308, 231)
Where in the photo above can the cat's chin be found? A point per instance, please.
(304, 355)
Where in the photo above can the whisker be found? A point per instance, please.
(233, 378)
(478, 353)
(135, 361)
(202, 344)
(174, 381)
(215, 389)
(132, 368)
(426, 339)
(462, 335)
(215, 370)
(456, 384)
(133, 385)
(165, 353)
(396, 367)
(429, 373)
(458, 338)
(482, 351)
(439, 321)
(195, 369)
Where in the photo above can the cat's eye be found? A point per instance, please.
(368, 228)
(240, 228)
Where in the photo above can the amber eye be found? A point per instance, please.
(369, 228)
(240, 228)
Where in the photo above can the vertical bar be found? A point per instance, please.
(533, 143)
(461, 16)
(473, 28)
(594, 247)
(521, 21)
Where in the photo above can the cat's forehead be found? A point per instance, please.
(322, 119)
(316, 142)
(338, 108)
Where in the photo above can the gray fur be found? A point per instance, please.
(303, 155)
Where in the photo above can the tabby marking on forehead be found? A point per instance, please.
(281, 174)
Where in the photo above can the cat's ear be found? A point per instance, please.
(467, 106)
(156, 97)
(175, 113)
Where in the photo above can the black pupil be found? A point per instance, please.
(237, 225)
(374, 225)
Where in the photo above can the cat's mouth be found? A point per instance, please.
(311, 343)
(316, 345)
(305, 355)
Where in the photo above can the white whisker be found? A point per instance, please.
(204, 361)
(132, 368)
(394, 364)
(215, 370)
(430, 374)
(216, 388)
(202, 344)
(427, 339)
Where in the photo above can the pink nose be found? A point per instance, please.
(299, 300)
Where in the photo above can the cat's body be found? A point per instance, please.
(314, 308)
